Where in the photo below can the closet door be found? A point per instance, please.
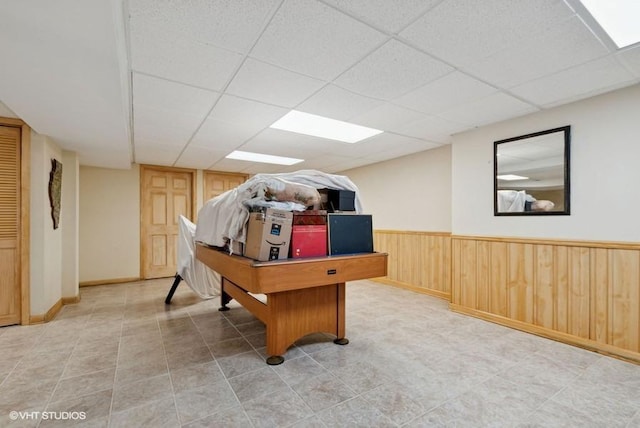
(167, 193)
(216, 183)
(10, 295)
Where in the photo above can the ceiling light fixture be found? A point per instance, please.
(619, 18)
(512, 177)
(323, 127)
(262, 158)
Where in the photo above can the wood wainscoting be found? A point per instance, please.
(418, 261)
(579, 292)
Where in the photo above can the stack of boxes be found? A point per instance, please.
(275, 234)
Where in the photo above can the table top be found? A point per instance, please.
(291, 274)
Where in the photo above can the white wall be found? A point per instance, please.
(69, 225)
(45, 242)
(605, 172)
(109, 223)
(409, 193)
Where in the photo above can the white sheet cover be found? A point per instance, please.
(202, 280)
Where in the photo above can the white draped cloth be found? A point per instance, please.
(202, 280)
(512, 201)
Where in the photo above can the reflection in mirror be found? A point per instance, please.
(531, 173)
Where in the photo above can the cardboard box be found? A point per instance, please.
(308, 240)
(268, 235)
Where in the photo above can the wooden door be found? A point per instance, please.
(166, 193)
(216, 183)
(10, 287)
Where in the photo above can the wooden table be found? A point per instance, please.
(303, 295)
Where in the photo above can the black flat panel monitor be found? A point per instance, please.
(350, 234)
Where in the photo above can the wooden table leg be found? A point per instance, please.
(340, 309)
(297, 313)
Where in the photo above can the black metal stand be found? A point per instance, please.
(224, 299)
(176, 281)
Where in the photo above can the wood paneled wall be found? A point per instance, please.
(584, 293)
(419, 261)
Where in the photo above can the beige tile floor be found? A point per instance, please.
(122, 358)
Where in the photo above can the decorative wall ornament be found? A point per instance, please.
(55, 191)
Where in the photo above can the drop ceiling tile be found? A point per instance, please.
(150, 152)
(148, 125)
(265, 168)
(233, 24)
(233, 165)
(465, 31)
(631, 58)
(168, 112)
(494, 108)
(248, 113)
(337, 103)
(182, 60)
(235, 120)
(388, 15)
(583, 81)
(283, 143)
(387, 116)
(404, 146)
(453, 89)
(309, 147)
(391, 71)
(172, 97)
(270, 84)
(311, 38)
(431, 128)
(562, 47)
(220, 135)
(200, 158)
(383, 143)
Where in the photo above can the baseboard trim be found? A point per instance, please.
(591, 345)
(71, 300)
(109, 281)
(435, 293)
(51, 313)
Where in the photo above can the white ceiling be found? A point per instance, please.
(185, 83)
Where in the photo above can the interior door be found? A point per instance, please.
(10, 295)
(166, 194)
(216, 183)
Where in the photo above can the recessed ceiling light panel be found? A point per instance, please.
(619, 18)
(262, 158)
(512, 177)
(323, 127)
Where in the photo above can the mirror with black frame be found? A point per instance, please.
(531, 173)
